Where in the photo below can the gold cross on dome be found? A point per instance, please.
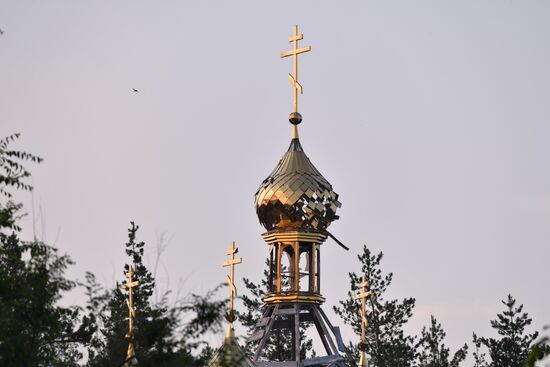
(231, 251)
(294, 53)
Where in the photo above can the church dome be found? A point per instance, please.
(296, 195)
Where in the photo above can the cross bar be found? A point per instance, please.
(130, 285)
(363, 295)
(232, 249)
(295, 52)
(297, 37)
(233, 262)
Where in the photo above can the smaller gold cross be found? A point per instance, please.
(231, 251)
(363, 295)
(130, 285)
(294, 53)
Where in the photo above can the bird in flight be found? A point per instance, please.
(135, 90)
(1, 32)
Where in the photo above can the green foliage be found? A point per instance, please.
(540, 350)
(34, 329)
(388, 346)
(480, 357)
(280, 343)
(160, 338)
(432, 352)
(12, 171)
(514, 344)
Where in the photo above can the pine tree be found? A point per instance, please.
(512, 349)
(480, 357)
(388, 346)
(431, 350)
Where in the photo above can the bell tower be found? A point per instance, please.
(296, 204)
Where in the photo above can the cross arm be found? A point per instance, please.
(233, 261)
(130, 285)
(363, 295)
(295, 52)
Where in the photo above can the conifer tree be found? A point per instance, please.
(431, 350)
(388, 345)
(512, 348)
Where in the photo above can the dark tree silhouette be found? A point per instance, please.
(34, 329)
(431, 350)
(388, 346)
(514, 344)
(162, 339)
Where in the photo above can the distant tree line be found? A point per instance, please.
(36, 331)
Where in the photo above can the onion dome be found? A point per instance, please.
(295, 194)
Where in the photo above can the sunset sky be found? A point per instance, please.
(431, 119)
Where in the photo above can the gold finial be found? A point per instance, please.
(130, 284)
(363, 295)
(231, 251)
(295, 117)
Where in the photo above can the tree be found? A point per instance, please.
(480, 357)
(34, 329)
(160, 338)
(431, 350)
(388, 346)
(280, 343)
(512, 349)
(539, 351)
(12, 171)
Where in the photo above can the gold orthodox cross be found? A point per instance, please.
(130, 285)
(294, 53)
(363, 295)
(231, 251)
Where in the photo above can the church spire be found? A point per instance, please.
(295, 204)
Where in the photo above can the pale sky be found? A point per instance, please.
(431, 119)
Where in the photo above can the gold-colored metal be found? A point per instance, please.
(231, 251)
(296, 204)
(130, 285)
(296, 195)
(363, 295)
(294, 297)
(293, 235)
(294, 53)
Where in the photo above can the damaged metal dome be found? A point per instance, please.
(296, 195)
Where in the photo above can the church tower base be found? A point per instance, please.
(294, 317)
